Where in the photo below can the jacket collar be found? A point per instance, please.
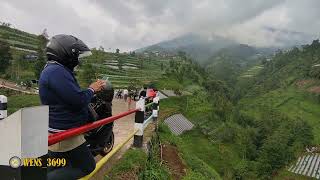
(57, 63)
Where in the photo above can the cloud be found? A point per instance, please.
(131, 24)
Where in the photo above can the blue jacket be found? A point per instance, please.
(68, 104)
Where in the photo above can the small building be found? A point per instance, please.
(30, 57)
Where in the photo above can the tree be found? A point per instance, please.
(315, 72)
(226, 132)
(182, 55)
(41, 61)
(39, 65)
(5, 56)
(101, 48)
(88, 74)
(5, 24)
(117, 51)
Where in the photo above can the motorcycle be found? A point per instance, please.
(101, 140)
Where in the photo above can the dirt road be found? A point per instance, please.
(122, 128)
(11, 85)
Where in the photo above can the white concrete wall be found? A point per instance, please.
(24, 134)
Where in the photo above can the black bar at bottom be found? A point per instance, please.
(24, 173)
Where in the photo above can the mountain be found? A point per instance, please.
(241, 51)
(241, 54)
(202, 48)
(196, 46)
(227, 63)
(222, 57)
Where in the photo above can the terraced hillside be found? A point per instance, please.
(132, 72)
(124, 69)
(252, 71)
(19, 39)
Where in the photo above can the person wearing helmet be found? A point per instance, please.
(68, 105)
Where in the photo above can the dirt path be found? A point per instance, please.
(11, 85)
(172, 159)
(122, 128)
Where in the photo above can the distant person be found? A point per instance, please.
(130, 93)
(125, 94)
(143, 93)
(68, 105)
(130, 98)
(156, 92)
(135, 95)
(119, 94)
(151, 93)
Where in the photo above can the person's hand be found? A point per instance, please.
(98, 85)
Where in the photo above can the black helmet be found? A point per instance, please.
(66, 50)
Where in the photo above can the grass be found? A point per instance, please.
(154, 168)
(18, 100)
(19, 69)
(21, 101)
(196, 151)
(134, 160)
(168, 83)
(284, 174)
(201, 155)
(136, 164)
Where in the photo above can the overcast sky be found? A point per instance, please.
(131, 24)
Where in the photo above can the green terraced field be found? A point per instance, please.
(19, 38)
(293, 102)
(150, 70)
(251, 72)
(135, 68)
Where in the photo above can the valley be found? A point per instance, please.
(254, 112)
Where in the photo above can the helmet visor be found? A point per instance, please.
(85, 54)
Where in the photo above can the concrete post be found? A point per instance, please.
(3, 106)
(24, 135)
(155, 107)
(139, 118)
(155, 111)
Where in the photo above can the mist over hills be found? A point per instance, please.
(202, 48)
(196, 46)
(286, 38)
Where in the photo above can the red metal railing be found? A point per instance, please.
(54, 138)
